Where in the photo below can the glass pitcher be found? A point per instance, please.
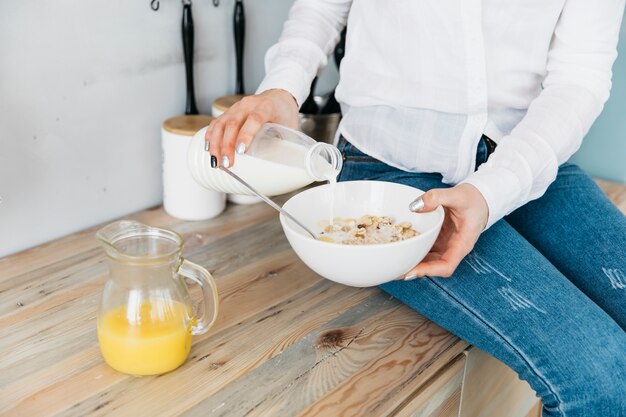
(279, 160)
(145, 318)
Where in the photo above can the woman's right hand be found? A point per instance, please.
(232, 131)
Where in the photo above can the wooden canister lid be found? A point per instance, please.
(186, 125)
(224, 103)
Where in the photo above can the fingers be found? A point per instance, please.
(434, 198)
(430, 200)
(208, 134)
(215, 133)
(442, 264)
(233, 131)
(412, 275)
(466, 212)
(260, 115)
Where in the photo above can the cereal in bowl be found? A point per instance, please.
(366, 230)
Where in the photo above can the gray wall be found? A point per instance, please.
(84, 88)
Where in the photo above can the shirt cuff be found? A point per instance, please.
(501, 189)
(291, 78)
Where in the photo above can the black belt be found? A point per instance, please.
(491, 145)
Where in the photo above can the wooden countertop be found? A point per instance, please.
(286, 342)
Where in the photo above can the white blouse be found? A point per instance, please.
(421, 81)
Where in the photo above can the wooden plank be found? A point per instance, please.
(219, 360)
(285, 340)
(41, 330)
(440, 396)
(67, 311)
(616, 193)
(320, 361)
(52, 337)
(492, 389)
(316, 362)
(254, 339)
(375, 388)
(202, 241)
(535, 411)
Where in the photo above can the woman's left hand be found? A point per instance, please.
(466, 217)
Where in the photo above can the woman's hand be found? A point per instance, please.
(234, 129)
(466, 217)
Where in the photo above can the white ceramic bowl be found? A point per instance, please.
(360, 265)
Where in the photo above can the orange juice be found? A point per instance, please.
(151, 339)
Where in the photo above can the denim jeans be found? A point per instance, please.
(543, 290)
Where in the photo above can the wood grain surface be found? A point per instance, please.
(492, 389)
(440, 396)
(616, 193)
(286, 343)
(186, 125)
(225, 102)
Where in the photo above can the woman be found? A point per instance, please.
(533, 252)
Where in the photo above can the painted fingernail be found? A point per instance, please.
(417, 204)
(241, 148)
(225, 161)
(213, 161)
(206, 145)
(409, 277)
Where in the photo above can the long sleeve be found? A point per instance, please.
(575, 88)
(311, 32)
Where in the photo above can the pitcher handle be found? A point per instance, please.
(203, 278)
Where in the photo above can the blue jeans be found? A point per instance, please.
(543, 290)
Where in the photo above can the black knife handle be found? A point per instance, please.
(239, 27)
(187, 26)
(340, 48)
(310, 106)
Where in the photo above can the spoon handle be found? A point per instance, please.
(267, 200)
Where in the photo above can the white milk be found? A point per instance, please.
(260, 171)
(329, 174)
(332, 183)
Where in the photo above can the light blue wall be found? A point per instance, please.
(603, 153)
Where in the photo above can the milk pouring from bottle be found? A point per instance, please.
(279, 160)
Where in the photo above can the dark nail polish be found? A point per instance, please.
(213, 161)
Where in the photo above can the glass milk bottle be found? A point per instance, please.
(279, 160)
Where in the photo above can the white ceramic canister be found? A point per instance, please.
(182, 196)
(220, 105)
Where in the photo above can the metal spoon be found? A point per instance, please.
(267, 200)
